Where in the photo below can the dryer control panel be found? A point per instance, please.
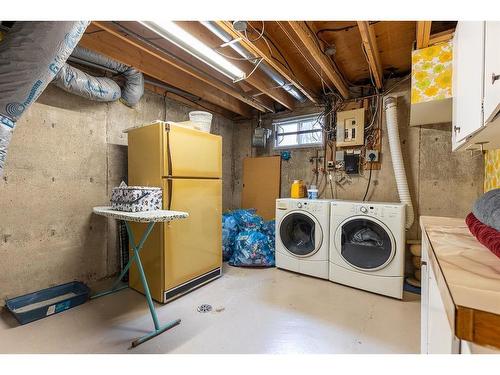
(381, 211)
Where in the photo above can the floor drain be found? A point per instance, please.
(204, 308)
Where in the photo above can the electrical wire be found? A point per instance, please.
(368, 185)
(261, 33)
(298, 49)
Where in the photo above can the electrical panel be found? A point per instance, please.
(351, 128)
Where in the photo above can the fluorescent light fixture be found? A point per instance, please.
(182, 39)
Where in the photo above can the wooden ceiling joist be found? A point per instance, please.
(423, 33)
(443, 36)
(308, 40)
(260, 52)
(199, 104)
(197, 74)
(372, 53)
(257, 79)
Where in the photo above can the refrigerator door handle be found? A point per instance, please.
(170, 193)
(169, 153)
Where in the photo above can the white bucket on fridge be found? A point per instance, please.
(202, 119)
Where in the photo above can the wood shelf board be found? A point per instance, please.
(468, 277)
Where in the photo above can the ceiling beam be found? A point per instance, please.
(372, 53)
(423, 33)
(177, 63)
(443, 36)
(257, 51)
(196, 104)
(309, 41)
(155, 66)
(257, 79)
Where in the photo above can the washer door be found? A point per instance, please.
(300, 233)
(365, 243)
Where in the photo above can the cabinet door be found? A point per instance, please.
(424, 301)
(468, 77)
(491, 69)
(440, 336)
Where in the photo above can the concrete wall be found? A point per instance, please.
(66, 155)
(442, 183)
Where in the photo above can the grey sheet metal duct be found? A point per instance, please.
(270, 72)
(133, 87)
(31, 55)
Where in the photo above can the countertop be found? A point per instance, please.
(468, 276)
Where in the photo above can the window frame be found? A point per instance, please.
(299, 120)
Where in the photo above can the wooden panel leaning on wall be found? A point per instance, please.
(261, 184)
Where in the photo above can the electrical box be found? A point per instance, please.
(351, 163)
(351, 128)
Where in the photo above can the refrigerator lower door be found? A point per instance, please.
(192, 153)
(152, 261)
(192, 246)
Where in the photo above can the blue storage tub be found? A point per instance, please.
(46, 302)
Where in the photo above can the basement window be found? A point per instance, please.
(295, 132)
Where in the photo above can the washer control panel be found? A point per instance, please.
(309, 205)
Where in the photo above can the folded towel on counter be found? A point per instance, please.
(487, 209)
(486, 235)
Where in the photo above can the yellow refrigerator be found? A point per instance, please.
(187, 164)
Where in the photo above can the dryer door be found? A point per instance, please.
(365, 243)
(300, 233)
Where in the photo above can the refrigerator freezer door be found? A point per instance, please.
(193, 246)
(145, 155)
(192, 153)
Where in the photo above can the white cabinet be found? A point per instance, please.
(491, 71)
(468, 76)
(436, 335)
(476, 85)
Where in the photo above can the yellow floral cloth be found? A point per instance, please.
(431, 73)
(491, 170)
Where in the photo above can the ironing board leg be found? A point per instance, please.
(137, 259)
(158, 329)
(116, 286)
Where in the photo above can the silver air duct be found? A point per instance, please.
(31, 55)
(133, 87)
(270, 72)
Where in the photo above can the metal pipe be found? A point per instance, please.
(270, 72)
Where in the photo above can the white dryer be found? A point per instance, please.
(302, 236)
(367, 246)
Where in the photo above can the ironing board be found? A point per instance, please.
(150, 217)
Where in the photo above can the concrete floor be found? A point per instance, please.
(261, 311)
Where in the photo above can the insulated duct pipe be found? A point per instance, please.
(133, 87)
(74, 81)
(31, 55)
(397, 158)
(270, 72)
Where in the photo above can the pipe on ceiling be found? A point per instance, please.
(270, 72)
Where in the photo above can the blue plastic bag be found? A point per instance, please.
(247, 219)
(269, 229)
(252, 249)
(229, 232)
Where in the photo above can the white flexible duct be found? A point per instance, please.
(391, 115)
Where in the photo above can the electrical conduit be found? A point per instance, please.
(397, 158)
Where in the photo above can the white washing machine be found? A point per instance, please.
(367, 246)
(302, 235)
